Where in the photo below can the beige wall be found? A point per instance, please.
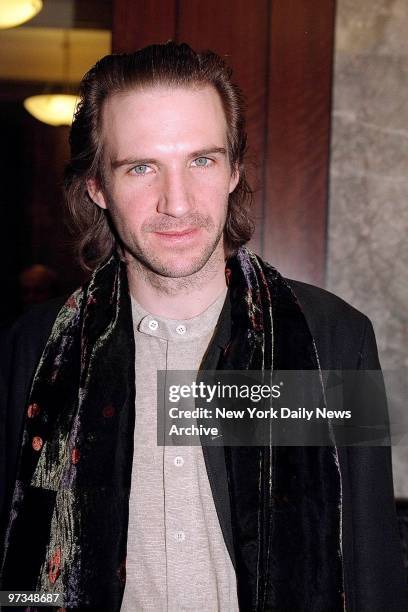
(368, 212)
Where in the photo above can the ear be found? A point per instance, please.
(234, 178)
(96, 193)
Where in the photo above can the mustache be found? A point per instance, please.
(192, 221)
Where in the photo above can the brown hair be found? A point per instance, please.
(168, 64)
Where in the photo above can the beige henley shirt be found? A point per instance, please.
(176, 555)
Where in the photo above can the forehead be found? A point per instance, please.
(179, 118)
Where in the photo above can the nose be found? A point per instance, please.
(176, 198)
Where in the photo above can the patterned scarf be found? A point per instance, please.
(67, 531)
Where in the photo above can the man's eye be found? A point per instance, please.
(202, 162)
(141, 169)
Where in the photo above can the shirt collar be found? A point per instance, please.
(178, 329)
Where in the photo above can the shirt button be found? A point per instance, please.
(179, 536)
(179, 461)
(153, 325)
(181, 329)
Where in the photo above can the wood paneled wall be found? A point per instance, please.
(32, 229)
(281, 52)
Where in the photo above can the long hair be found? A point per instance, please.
(170, 64)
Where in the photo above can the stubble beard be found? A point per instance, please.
(173, 279)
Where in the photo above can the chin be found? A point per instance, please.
(177, 269)
(176, 265)
(176, 262)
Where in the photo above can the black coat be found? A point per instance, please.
(373, 570)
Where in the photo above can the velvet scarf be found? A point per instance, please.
(67, 531)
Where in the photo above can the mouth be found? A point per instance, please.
(178, 236)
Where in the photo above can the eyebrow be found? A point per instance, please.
(131, 161)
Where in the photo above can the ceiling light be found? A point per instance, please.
(54, 109)
(15, 12)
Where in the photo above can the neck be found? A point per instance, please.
(177, 298)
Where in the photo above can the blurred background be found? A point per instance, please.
(48, 54)
(326, 85)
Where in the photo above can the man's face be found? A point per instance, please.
(167, 176)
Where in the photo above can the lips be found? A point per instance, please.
(178, 236)
(177, 233)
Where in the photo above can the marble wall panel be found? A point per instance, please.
(367, 261)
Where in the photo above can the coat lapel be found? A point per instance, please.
(280, 504)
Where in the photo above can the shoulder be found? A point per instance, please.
(39, 314)
(29, 333)
(323, 303)
(37, 321)
(343, 334)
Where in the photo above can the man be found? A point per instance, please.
(99, 511)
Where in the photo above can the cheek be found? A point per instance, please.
(125, 194)
(132, 204)
(126, 216)
(212, 190)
